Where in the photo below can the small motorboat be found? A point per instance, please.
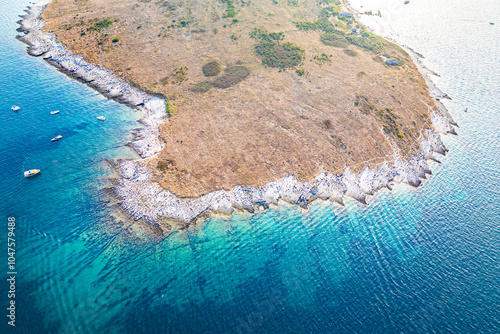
(101, 118)
(15, 108)
(54, 112)
(31, 172)
(56, 138)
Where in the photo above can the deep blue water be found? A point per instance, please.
(413, 261)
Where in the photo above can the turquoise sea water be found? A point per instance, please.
(413, 261)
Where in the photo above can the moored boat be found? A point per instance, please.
(31, 172)
(57, 138)
(54, 112)
(15, 108)
(101, 118)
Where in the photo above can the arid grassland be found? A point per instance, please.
(255, 90)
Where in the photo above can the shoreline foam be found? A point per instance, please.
(145, 200)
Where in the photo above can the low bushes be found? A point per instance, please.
(372, 43)
(275, 54)
(211, 69)
(334, 38)
(100, 25)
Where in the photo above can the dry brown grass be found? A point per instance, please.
(270, 124)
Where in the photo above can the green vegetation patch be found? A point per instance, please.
(330, 36)
(334, 38)
(273, 53)
(230, 9)
(324, 58)
(170, 108)
(373, 43)
(211, 69)
(321, 24)
(178, 76)
(97, 25)
(232, 76)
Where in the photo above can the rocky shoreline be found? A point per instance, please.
(145, 200)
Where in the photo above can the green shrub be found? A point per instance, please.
(116, 40)
(262, 35)
(335, 39)
(273, 53)
(99, 25)
(170, 108)
(300, 72)
(230, 9)
(341, 25)
(179, 75)
(320, 24)
(278, 55)
(372, 43)
(326, 12)
(211, 69)
(324, 58)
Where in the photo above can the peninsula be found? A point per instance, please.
(252, 92)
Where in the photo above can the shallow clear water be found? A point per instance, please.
(414, 260)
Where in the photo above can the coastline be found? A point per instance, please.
(145, 200)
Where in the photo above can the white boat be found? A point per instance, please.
(15, 108)
(54, 112)
(101, 118)
(57, 138)
(31, 172)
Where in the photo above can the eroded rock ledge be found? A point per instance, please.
(146, 200)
